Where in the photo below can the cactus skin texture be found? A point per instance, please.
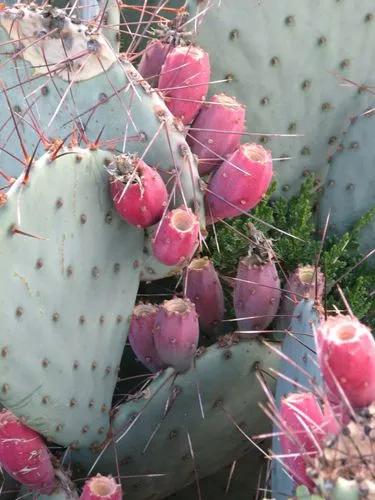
(228, 390)
(346, 352)
(280, 83)
(202, 286)
(239, 183)
(299, 347)
(216, 131)
(86, 253)
(349, 190)
(141, 336)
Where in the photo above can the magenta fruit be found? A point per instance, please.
(346, 353)
(138, 192)
(257, 292)
(152, 61)
(202, 286)
(176, 237)
(301, 425)
(176, 333)
(216, 131)
(24, 455)
(184, 80)
(299, 284)
(141, 336)
(239, 183)
(101, 488)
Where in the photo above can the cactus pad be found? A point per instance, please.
(62, 338)
(170, 407)
(288, 65)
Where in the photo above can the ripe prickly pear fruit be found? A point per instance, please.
(137, 190)
(216, 131)
(239, 183)
(141, 336)
(301, 425)
(346, 353)
(24, 455)
(301, 283)
(176, 237)
(184, 80)
(257, 292)
(202, 286)
(152, 61)
(101, 488)
(176, 333)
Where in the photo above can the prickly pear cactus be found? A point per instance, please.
(184, 415)
(296, 72)
(64, 251)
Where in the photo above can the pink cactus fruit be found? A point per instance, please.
(175, 239)
(24, 455)
(101, 488)
(138, 192)
(184, 80)
(202, 286)
(239, 183)
(300, 284)
(257, 293)
(141, 336)
(152, 61)
(301, 430)
(216, 131)
(346, 353)
(177, 333)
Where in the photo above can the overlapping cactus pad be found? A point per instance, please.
(297, 71)
(70, 269)
(179, 425)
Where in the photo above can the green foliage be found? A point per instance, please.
(228, 242)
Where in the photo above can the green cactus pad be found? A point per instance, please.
(287, 62)
(230, 393)
(349, 190)
(66, 295)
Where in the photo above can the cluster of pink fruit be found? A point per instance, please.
(168, 334)
(346, 356)
(239, 174)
